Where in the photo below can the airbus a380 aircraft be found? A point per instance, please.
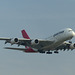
(54, 43)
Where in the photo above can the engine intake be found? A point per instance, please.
(14, 41)
(35, 42)
(72, 46)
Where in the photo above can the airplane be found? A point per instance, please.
(49, 45)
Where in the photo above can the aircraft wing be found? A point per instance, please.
(34, 43)
(14, 40)
(3, 38)
(66, 45)
(20, 39)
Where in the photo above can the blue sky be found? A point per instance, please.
(41, 19)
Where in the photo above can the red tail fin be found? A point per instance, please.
(25, 35)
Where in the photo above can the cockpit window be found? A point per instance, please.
(58, 33)
(69, 30)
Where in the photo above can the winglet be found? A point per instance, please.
(25, 35)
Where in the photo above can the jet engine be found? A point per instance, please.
(72, 46)
(14, 41)
(35, 42)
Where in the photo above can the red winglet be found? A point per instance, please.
(25, 35)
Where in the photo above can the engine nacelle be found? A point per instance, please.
(72, 46)
(14, 41)
(35, 42)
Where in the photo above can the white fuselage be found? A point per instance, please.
(60, 37)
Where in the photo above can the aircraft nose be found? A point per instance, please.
(73, 33)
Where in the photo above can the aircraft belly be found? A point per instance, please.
(53, 46)
(57, 43)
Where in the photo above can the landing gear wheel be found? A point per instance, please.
(41, 51)
(49, 53)
(56, 52)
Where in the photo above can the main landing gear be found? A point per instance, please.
(41, 51)
(56, 52)
(48, 52)
(51, 52)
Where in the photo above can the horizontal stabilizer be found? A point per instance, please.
(21, 49)
(27, 50)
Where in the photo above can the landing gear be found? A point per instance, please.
(41, 51)
(56, 52)
(48, 52)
